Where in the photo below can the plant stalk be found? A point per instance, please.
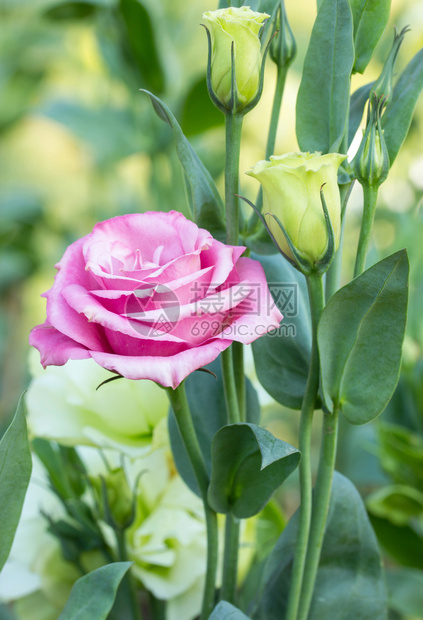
(179, 402)
(321, 502)
(276, 108)
(316, 298)
(232, 358)
(230, 559)
(128, 583)
(369, 209)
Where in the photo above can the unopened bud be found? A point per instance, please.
(283, 47)
(383, 85)
(235, 64)
(371, 163)
(114, 498)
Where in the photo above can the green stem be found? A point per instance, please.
(333, 275)
(158, 607)
(238, 360)
(369, 208)
(233, 127)
(232, 358)
(316, 297)
(129, 589)
(276, 108)
(229, 386)
(271, 138)
(320, 509)
(230, 559)
(179, 402)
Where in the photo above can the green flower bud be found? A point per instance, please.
(114, 497)
(283, 47)
(291, 192)
(371, 163)
(235, 29)
(383, 85)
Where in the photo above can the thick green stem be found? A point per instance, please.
(233, 127)
(230, 560)
(316, 297)
(232, 358)
(229, 386)
(179, 402)
(128, 587)
(276, 108)
(320, 509)
(369, 208)
(238, 359)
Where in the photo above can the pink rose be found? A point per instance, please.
(152, 296)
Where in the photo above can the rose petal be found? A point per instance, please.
(167, 371)
(55, 348)
(71, 270)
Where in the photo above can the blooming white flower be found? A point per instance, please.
(64, 404)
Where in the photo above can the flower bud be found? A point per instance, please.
(283, 47)
(291, 192)
(371, 163)
(234, 38)
(383, 85)
(115, 499)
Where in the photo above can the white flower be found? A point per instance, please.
(64, 404)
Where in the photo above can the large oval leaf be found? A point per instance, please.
(248, 465)
(323, 96)
(93, 595)
(349, 564)
(206, 203)
(282, 357)
(396, 120)
(370, 18)
(15, 472)
(360, 338)
(207, 404)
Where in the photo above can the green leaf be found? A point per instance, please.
(397, 118)
(357, 103)
(139, 43)
(405, 587)
(360, 338)
(401, 454)
(282, 358)
(370, 18)
(15, 472)
(206, 400)
(71, 10)
(397, 502)
(198, 112)
(324, 92)
(226, 611)
(248, 465)
(402, 543)
(205, 200)
(350, 580)
(93, 595)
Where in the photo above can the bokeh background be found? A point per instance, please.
(79, 143)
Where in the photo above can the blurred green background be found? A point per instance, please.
(79, 143)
